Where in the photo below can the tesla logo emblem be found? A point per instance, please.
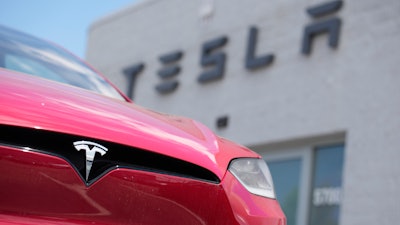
(91, 148)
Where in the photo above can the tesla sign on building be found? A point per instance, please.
(311, 85)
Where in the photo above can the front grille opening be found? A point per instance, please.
(118, 156)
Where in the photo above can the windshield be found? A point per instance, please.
(27, 54)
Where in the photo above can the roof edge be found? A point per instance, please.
(120, 13)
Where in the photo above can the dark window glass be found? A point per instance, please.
(327, 185)
(286, 177)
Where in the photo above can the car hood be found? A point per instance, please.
(33, 102)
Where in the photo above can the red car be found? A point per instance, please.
(75, 150)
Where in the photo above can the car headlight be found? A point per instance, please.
(254, 175)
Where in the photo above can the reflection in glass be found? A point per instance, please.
(30, 55)
(286, 177)
(327, 185)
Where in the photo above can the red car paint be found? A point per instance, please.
(42, 104)
(40, 188)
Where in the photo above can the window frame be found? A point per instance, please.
(303, 149)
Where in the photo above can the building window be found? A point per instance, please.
(287, 189)
(327, 185)
(308, 182)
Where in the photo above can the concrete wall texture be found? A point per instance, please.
(352, 90)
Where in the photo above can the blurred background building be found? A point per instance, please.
(311, 85)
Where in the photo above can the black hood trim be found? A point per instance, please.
(117, 156)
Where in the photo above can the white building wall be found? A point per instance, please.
(352, 90)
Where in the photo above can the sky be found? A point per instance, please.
(65, 22)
